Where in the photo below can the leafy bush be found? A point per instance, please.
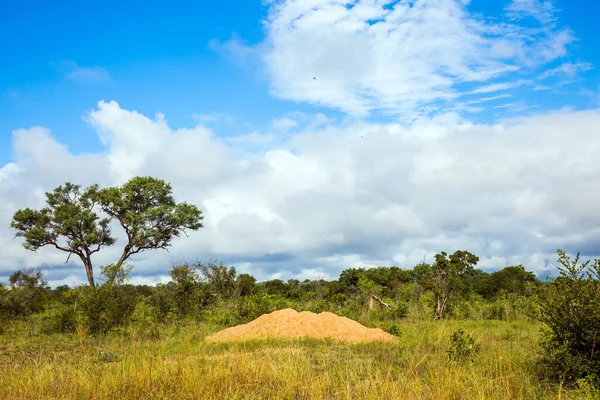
(106, 306)
(27, 296)
(249, 308)
(144, 320)
(320, 306)
(59, 318)
(570, 307)
(393, 329)
(462, 346)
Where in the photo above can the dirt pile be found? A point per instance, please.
(290, 324)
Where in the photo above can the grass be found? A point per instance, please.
(180, 365)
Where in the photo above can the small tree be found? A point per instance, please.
(190, 293)
(443, 277)
(245, 284)
(220, 278)
(28, 294)
(570, 306)
(143, 206)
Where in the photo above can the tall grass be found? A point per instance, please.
(180, 365)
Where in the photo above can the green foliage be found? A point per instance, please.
(143, 206)
(163, 301)
(245, 285)
(444, 276)
(58, 318)
(319, 306)
(570, 307)
(69, 223)
(28, 294)
(116, 274)
(462, 347)
(514, 279)
(249, 308)
(393, 329)
(146, 210)
(145, 320)
(106, 307)
(275, 286)
(386, 279)
(221, 279)
(190, 295)
(478, 282)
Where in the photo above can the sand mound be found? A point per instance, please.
(290, 324)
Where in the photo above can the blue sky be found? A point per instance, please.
(410, 126)
(156, 57)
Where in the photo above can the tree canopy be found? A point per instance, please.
(143, 206)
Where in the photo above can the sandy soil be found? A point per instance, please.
(290, 324)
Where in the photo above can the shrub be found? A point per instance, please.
(570, 307)
(106, 307)
(393, 329)
(249, 308)
(462, 346)
(144, 320)
(59, 318)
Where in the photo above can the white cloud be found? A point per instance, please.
(496, 87)
(544, 11)
(75, 72)
(284, 124)
(491, 98)
(568, 69)
(404, 58)
(336, 196)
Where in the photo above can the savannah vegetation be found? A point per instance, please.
(462, 332)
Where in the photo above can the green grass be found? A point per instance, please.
(180, 365)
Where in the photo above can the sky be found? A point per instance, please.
(315, 135)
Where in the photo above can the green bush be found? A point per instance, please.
(462, 347)
(393, 329)
(145, 320)
(248, 308)
(320, 306)
(106, 307)
(59, 318)
(570, 307)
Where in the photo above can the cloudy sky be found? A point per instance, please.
(315, 135)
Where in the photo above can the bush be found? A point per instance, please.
(249, 308)
(106, 307)
(145, 319)
(393, 330)
(59, 318)
(570, 307)
(462, 347)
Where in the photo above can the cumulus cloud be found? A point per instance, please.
(406, 58)
(334, 195)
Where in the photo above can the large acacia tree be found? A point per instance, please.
(143, 206)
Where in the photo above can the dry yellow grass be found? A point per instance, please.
(181, 365)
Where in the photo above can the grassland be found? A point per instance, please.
(180, 365)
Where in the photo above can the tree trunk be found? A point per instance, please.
(89, 272)
(441, 305)
(124, 257)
